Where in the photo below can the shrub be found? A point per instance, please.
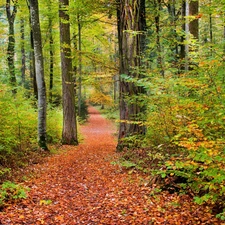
(10, 191)
(18, 129)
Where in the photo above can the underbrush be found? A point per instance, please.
(11, 192)
(184, 147)
(110, 112)
(18, 132)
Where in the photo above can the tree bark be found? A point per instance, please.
(11, 15)
(69, 134)
(39, 68)
(32, 59)
(131, 28)
(51, 56)
(23, 55)
(79, 66)
(182, 45)
(157, 4)
(194, 24)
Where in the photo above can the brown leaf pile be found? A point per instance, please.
(81, 186)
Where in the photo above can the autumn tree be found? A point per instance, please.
(131, 34)
(69, 134)
(39, 69)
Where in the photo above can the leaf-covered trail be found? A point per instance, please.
(81, 186)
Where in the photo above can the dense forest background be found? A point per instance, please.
(161, 63)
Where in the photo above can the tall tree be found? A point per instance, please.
(131, 29)
(80, 66)
(32, 59)
(23, 53)
(51, 51)
(158, 6)
(11, 11)
(69, 134)
(39, 68)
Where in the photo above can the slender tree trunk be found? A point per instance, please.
(69, 135)
(194, 24)
(39, 67)
(32, 59)
(211, 31)
(182, 46)
(32, 68)
(187, 36)
(75, 50)
(131, 27)
(223, 46)
(158, 41)
(23, 55)
(11, 11)
(173, 18)
(80, 67)
(51, 56)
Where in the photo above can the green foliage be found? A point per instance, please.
(83, 111)
(54, 125)
(127, 164)
(185, 127)
(110, 112)
(18, 129)
(187, 114)
(10, 191)
(18, 124)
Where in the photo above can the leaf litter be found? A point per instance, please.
(81, 186)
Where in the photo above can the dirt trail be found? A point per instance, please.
(81, 186)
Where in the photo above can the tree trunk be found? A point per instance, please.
(173, 16)
(69, 135)
(11, 15)
(131, 27)
(194, 24)
(182, 46)
(23, 55)
(80, 66)
(51, 56)
(211, 31)
(32, 60)
(158, 41)
(39, 67)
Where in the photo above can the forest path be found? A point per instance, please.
(81, 186)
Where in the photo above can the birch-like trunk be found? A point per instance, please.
(39, 68)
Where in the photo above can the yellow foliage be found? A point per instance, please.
(98, 97)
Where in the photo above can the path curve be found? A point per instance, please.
(81, 186)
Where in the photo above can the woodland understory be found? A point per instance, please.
(84, 185)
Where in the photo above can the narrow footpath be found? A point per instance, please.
(82, 186)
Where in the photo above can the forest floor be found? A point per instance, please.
(80, 185)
